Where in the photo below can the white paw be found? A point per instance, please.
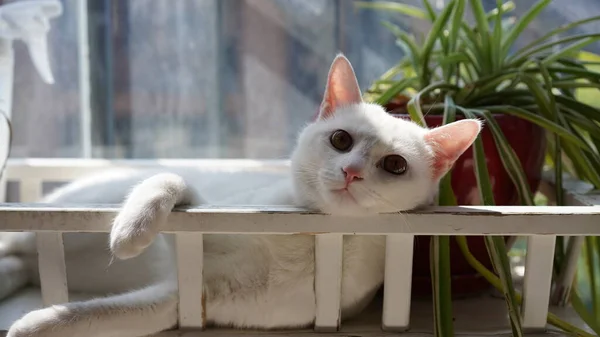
(42, 323)
(136, 226)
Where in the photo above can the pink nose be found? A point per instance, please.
(351, 174)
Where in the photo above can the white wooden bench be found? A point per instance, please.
(539, 224)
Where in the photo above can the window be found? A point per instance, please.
(202, 78)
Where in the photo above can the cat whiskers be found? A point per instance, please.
(429, 110)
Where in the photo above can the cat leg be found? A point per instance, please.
(145, 212)
(138, 313)
(14, 275)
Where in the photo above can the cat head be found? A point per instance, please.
(356, 158)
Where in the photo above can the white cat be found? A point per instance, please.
(354, 159)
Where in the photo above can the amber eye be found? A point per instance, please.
(394, 164)
(341, 140)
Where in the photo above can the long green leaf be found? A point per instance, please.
(557, 118)
(569, 50)
(409, 10)
(540, 95)
(538, 120)
(453, 41)
(583, 312)
(394, 90)
(525, 53)
(412, 50)
(484, 33)
(588, 111)
(434, 34)
(493, 279)
(414, 105)
(521, 25)
(562, 29)
(441, 278)
(506, 7)
(430, 12)
(495, 244)
(497, 38)
(455, 24)
(510, 161)
(591, 265)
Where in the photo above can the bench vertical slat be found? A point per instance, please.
(30, 190)
(52, 268)
(50, 248)
(538, 280)
(328, 281)
(190, 266)
(398, 282)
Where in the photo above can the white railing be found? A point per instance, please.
(539, 224)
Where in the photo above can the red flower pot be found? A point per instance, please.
(529, 143)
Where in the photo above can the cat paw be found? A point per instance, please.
(136, 226)
(40, 323)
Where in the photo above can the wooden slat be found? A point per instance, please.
(538, 280)
(53, 272)
(328, 281)
(497, 220)
(398, 282)
(190, 260)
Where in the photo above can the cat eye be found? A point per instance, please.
(341, 140)
(394, 164)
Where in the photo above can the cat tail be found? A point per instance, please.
(15, 271)
(14, 275)
(133, 314)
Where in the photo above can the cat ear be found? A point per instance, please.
(450, 141)
(342, 87)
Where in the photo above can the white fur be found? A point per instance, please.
(250, 281)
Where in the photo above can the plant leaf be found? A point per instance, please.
(484, 33)
(414, 105)
(434, 34)
(562, 29)
(523, 23)
(430, 12)
(493, 279)
(441, 278)
(526, 53)
(583, 312)
(495, 244)
(497, 38)
(569, 50)
(394, 90)
(510, 160)
(538, 120)
(409, 10)
(412, 50)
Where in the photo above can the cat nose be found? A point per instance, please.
(351, 174)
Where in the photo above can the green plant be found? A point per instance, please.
(476, 70)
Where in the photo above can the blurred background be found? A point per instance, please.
(203, 78)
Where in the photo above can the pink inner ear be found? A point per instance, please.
(342, 87)
(450, 141)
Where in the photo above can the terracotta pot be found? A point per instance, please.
(529, 143)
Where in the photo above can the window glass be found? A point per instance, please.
(204, 78)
